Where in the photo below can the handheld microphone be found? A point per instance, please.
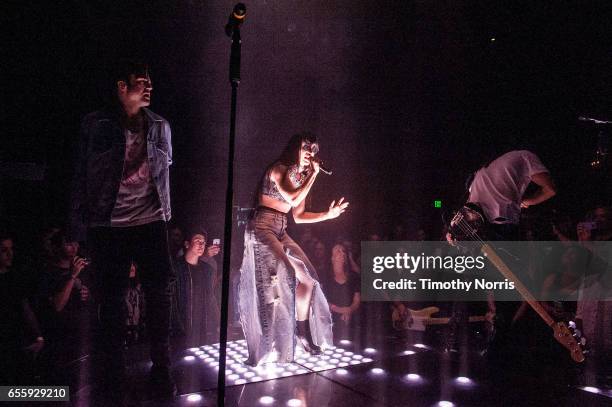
(236, 18)
(322, 167)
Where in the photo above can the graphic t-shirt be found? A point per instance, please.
(137, 200)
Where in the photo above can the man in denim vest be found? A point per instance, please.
(121, 205)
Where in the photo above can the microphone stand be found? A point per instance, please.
(234, 77)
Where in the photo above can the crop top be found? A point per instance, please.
(269, 188)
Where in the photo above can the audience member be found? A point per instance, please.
(64, 287)
(598, 225)
(342, 289)
(306, 239)
(45, 242)
(348, 245)
(175, 240)
(195, 304)
(21, 338)
(135, 308)
(399, 232)
(593, 317)
(421, 235)
(320, 258)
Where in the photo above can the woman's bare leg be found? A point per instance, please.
(303, 292)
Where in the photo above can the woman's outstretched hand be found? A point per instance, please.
(335, 209)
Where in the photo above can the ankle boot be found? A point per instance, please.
(305, 338)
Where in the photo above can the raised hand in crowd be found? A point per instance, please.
(213, 250)
(78, 264)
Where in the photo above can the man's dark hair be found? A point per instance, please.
(196, 230)
(121, 71)
(124, 69)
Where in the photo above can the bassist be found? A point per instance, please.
(498, 188)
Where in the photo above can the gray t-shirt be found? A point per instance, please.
(137, 200)
(499, 187)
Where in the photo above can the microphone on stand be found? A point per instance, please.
(322, 167)
(236, 18)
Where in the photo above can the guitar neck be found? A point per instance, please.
(442, 321)
(520, 287)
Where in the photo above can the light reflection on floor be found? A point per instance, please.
(237, 373)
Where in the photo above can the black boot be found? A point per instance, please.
(305, 338)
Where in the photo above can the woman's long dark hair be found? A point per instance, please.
(291, 153)
(289, 156)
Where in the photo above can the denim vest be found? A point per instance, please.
(99, 167)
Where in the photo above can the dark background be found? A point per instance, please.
(408, 97)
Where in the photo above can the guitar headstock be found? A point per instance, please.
(570, 339)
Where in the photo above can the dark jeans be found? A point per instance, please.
(457, 333)
(511, 341)
(504, 232)
(112, 251)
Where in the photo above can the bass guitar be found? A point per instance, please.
(469, 223)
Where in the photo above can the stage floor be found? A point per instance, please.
(388, 372)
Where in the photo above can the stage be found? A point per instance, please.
(389, 372)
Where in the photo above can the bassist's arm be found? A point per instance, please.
(545, 191)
